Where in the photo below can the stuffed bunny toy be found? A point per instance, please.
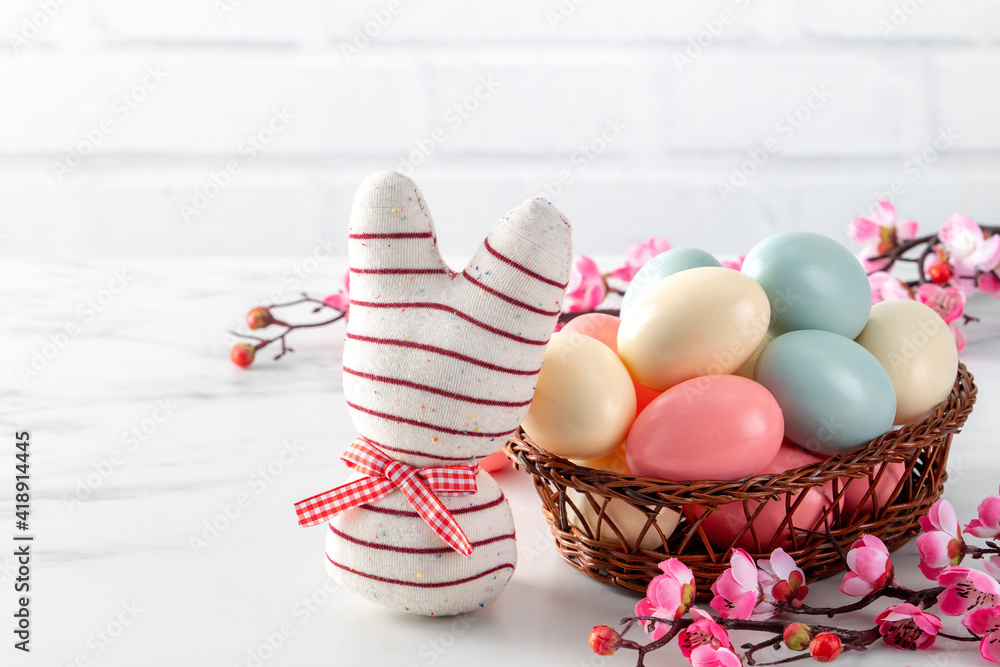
(439, 369)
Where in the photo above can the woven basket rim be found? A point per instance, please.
(949, 417)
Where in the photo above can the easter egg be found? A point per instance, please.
(600, 326)
(701, 321)
(856, 494)
(643, 396)
(495, 461)
(584, 401)
(665, 264)
(721, 427)
(629, 520)
(746, 370)
(812, 282)
(723, 525)
(834, 394)
(917, 350)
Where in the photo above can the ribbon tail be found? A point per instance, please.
(437, 516)
(319, 508)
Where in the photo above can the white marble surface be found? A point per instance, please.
(125, 543)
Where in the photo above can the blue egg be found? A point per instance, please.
(812, 282)
(663, 265)
(834, 394)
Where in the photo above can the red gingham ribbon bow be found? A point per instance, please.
(421, 486)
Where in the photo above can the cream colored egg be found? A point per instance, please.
(917, 349)
(703, 321)
(630, 521)
(746, 370)
(584, 400)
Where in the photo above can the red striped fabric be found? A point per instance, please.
(382, 546)
(509, 299)
(403, 305)
(520, 267)
(421, 584)
(475, 400)
(397, 342)
(391, 235)
(421, 424)
(456, 511)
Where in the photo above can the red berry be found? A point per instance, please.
(259, 317)
(604, 640)
(242, 354)
(825, 647)
(940, 272)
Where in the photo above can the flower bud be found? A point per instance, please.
(825, 647)
(242, 354)
(604, 640)
(259, 317)
(797, 636)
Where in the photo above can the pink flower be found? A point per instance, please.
(969, 250)
(870, 565)
(736, 264)
(959, 333)
(986, 622)
(738, 593)
(886, 286)
(703, 632)
(638, 254)
(341, 300)
(879, 233)
(988, 524)
(989, 283)
(992, 565)
(586, 288)
(966, 589)
(941, 544)
(781, 579)
(908, 627)
(668, 596)
(948, 302)
(709, 656)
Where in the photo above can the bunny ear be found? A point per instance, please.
(391, 234)
(521, 270)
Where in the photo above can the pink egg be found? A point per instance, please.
(601, 326)
(494, 462)
(719, 427)
(857, 488)
(725, 523)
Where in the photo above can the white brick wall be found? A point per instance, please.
(684, 92)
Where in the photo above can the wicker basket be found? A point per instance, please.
(620, 560)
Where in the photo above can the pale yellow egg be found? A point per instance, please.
(917, 350)
(703, 321)
(584, 399)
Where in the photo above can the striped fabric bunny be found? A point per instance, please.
(439, 368)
